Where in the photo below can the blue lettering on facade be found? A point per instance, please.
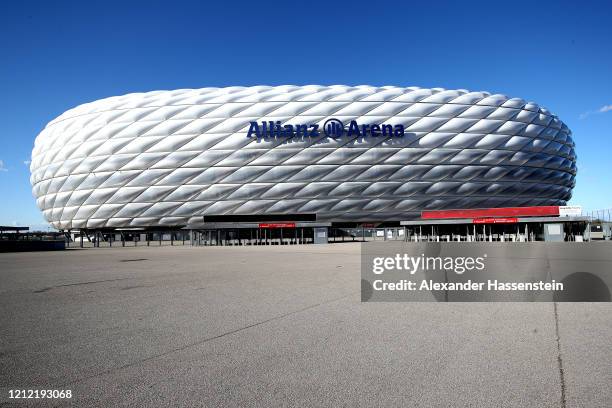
(333, 128)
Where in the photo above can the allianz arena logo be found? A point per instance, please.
(333, 128)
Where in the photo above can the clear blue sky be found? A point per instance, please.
(55, 55)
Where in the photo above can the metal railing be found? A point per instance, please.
(601, 215)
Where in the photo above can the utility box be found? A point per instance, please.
(553, 232)
(320, 235)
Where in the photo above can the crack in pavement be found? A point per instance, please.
(559, 358)
(77, 284)
(199, 342)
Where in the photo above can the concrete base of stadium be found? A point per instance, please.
(300, 233)
(280, 326)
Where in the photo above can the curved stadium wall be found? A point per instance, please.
(168, 158)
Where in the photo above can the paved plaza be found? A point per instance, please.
(279, 326)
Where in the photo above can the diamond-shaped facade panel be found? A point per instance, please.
(166, 158)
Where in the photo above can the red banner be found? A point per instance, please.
(538, 211)
(278, 225)
(494, 220)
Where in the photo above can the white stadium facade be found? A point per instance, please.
(335, 154)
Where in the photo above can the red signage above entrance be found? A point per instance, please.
(538, 211)
(494, 220)
(278, 225)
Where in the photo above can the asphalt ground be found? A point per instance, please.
(279, 326)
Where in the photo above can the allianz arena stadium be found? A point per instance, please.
(173, 158)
